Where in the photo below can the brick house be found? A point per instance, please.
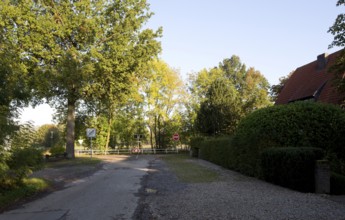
(312, 82)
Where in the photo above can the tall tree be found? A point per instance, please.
(49, 135)
(163, 94)
(220, 112)
(79, 50)
(247, 88)
(14, 90)
(338, 30)
(276, 89)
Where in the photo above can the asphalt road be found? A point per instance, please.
(110, 193)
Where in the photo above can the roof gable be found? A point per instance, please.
(312, 81)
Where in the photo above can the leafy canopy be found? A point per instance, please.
(227, 93)
(338, 30)
(74, 51)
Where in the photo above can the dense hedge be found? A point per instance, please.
(337, 184)
(291, 167)
(302, 124)
(218, 150)
(17, 165)
(215, 150)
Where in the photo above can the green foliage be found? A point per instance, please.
(220, 112)
(14, 91)
(303, 124)
(225, 94)
(338, 30)
(217, 150)
(19, 158)
(69, 52)
(4, 169)
(49, 135)
(78, 161)
(28, 157)
(163, 94)
(24, 137)
(128, 122)
(28, 188)
(57, 150)
(276, 89)
(8, 126)
(337, 184)
(18, 166)
(290, 167)
(24, 161)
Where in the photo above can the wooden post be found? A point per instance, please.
(322, 177)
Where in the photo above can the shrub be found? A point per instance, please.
(23, 161)
(301, 124)
(218, 151)
(4, 180)
(57, 150)
(19, 165)
(195, 145)
(337, 184)
(291, 167)
(27, 157)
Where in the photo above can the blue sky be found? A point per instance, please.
(274, 37)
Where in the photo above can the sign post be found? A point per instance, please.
(91, 133)
(176, 137)
(138, 137)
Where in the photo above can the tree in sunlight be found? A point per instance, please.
(225, 94)
(73, 51)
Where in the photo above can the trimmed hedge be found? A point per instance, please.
(57, 151)
(291, 167)
(298, 125)
(301, 124)
(216, 150)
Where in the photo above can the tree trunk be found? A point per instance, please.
(70, 128)
(151, 135)
(108, 133)
(159, 132)
(155, 132)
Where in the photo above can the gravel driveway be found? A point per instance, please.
(233, 196)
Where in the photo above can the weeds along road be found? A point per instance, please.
(110, 193)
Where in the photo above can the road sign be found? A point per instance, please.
(176, 137)
(91, 132)
(138, 136)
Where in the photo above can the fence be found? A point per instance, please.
(131, 151)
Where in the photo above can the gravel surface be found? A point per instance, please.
(232, 196)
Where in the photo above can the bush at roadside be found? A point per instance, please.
(57, 151)
(302, 124)
(18, 165)
(291, 167)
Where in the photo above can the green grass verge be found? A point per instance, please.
(188, 171)
(77, 161)
(30, 187)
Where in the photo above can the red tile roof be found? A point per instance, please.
(312, 82)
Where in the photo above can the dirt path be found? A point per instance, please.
(109, 193)
(232, 196)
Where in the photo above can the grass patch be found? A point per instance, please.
(32, 186)
(189, 172)
(29, 188)
(77, 161)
